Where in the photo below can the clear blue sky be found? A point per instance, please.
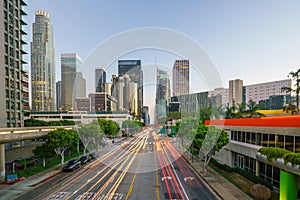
(256, 41)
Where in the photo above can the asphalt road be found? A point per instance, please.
(145, 166)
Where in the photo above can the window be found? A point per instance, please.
(253, 138)
(280, 141)
(289, 143)
(272, 140)
(297, 144)
(248, 137)
(258, 139)
(265, 140)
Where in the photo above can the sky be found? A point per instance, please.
(256, 41)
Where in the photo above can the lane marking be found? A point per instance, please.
(175, 173)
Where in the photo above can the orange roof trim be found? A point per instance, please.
(280, 121)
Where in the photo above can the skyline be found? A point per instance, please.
(244, 40)
(259, 36)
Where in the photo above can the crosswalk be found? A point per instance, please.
(87, 196)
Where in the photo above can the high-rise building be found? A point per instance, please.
(162, 93)
(43, 85)
(72, 83)
(13, 76)
(235, 91)
(134, 69)
(58, 96)
(181, 77)
(100, 79)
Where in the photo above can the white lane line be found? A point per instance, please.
(175, 173)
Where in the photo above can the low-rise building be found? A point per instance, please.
(248, 135)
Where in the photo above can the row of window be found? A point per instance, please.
(289, 142)
(11, 105)
(265, 171)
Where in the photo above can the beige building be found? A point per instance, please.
(13, 77)
(235, 91)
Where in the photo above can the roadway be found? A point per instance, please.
(145, 166)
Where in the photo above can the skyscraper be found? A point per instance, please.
(134, 69)
(72, 83)
(162, 93)
(100, 79)
(13, 75)
(181, 77)
(43, 83)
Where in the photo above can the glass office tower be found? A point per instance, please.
(43, 83)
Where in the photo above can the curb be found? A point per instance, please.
(49, 177)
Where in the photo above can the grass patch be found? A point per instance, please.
(49, 164)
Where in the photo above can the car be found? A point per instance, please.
(72, 165)
(84, 160)
(92, 156)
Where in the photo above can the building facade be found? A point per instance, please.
(14, 76)
(100, 79)
(133, 68)
(43, 85)
(218, 93)
(83, 104)
(248, 135)
(181, 77)
(102, 102)
(162, 94)
(191, 103)
(262, 91)
(235, 92)
(58, 96)
(72, 83)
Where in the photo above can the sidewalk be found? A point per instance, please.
(225, 189)
(12, 191)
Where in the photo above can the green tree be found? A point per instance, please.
(186, 130)
(296, 77)
(209, 140)
(61, 139)
(205, 113)
(90, 134)
(131, 126)
(109, 127)
(216, 112)
(44, 151)
(174, 115)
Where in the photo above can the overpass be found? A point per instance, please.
(20, 134)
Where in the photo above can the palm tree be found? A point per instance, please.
(253, 108)
(241, 110)
(230, 112)
(296, 77)
(290, 108)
